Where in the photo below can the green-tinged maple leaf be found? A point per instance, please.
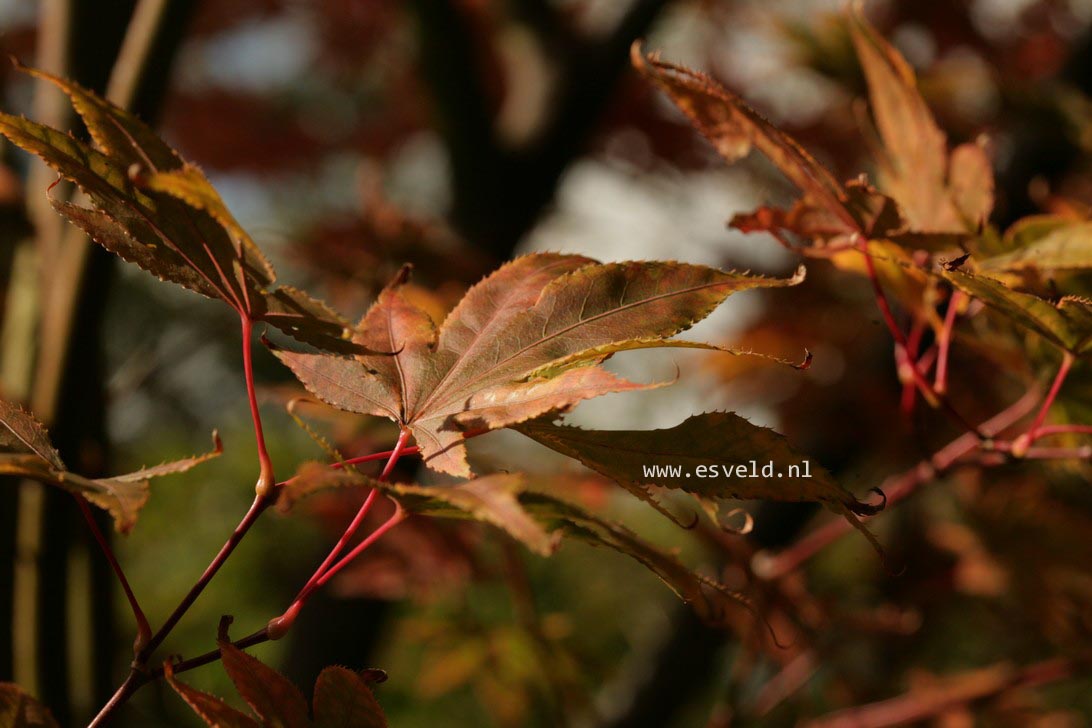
(211, 709)
(1045, 243)
(535, 516)
(522, 343)
(19, 710)
(936, 191)
(1067, 323)
(151, 208)
(343, 700)
(27, 453)
(701, 456)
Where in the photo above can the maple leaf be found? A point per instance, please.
(827, 213)
(153, 209)
(19, 710)
(930, 199)
(342, 697)
(522, 343)
(700, 456)
(27, 452)
(1067, 324)
(1044, 243)
(936, 190)
(535, 516)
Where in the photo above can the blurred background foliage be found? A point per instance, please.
(350, 137)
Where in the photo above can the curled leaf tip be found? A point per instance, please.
(870, 509)
(806, 364)
(746, 525)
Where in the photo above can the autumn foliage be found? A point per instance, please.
(528, 343)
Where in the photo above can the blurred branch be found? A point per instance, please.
(956, 691)
(896, 489)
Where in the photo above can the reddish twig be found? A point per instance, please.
(959, 690)
(144, 630)
(266, 480)
(944, 342)
(896, 488)
(902, 346)
(1024, 442)
(279, 625)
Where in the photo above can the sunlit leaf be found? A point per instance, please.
(1068, 323)
(935, 191)
(154, 210)
(1047, 244)
(32, 456)
(508, 352)
(827, 214)
(20, 432)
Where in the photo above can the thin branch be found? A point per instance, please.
(279, 625)
(896, 488)
(944, 341)
(266, 480)
(144, 630)
(901, 344)
(260, 504)
(956, 691)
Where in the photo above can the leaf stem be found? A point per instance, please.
(394, 520)
(144, 630)
(901, 346)
(411, 450)
(266, 480)
(279, 625)
(944, 342)
(1056, 386)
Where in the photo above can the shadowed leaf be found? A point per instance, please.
(19, 710)
(538, 519)
(34, 457)
(275, 700)
(702, 456)
(343, 700)
(211, 709)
